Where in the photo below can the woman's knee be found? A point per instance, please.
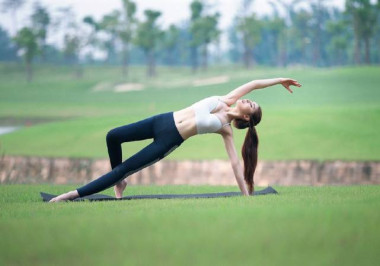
(111, 136)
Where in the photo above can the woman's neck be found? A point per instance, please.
(233, 113)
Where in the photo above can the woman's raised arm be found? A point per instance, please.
(239, 92)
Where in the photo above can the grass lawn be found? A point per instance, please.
(333, 116)
(300, 226)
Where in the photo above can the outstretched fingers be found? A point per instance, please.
(290, 82)
(296, 83)
(288, 88)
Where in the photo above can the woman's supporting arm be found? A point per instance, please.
(238, 171)
(246, 88)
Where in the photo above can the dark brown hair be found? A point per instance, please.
(250, 146)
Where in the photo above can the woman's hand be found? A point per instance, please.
(288, 82)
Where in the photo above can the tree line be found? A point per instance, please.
(307, 33)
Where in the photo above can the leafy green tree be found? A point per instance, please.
(7, 50)
(234, 52)
(26, 41)
(377, 33)
(128, 22)
(289, 7)
(91, 22)
(93, 41)
(317, 22)
(363, 17)
(170, 43)
(301, 33)
(110, 24)
(276, 27)
(369, 19)
(71, 47)
(74, 40)
(205, 31)
(249, 27)
(40, 23)
(339, 42)
(71, 50)
(148, 36)
(196, 8)
(119, 26)
(181, 52)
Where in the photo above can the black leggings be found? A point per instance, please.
(166, 137)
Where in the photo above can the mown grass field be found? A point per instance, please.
(333, 116)
(299, 226)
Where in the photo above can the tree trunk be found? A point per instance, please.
(125, 60)
(151, 64)
(284, 54)
(317, 44)
(29, 71)
(171, 57)
(111, 50)
(42, 53)
(357, 50)
(340, 57)
(204, 57)
(303, 52)
(247, 58)
(218, 57)
(247, 55)
(279, 52)
(78, 71)
(316, 52)
(194, 59)
(367, 51)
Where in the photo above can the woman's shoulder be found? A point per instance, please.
(224, 99)
(209, 99)
(214, 99)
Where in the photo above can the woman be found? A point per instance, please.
(210, 115)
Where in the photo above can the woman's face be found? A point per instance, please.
(246, 107)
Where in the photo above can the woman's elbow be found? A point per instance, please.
(235, 164)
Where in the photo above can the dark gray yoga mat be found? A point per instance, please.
(100, 197)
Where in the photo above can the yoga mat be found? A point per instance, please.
(101, 197)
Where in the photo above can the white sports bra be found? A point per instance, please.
(207, 122)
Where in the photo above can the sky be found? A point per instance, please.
(173, 11)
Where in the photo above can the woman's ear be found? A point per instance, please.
(246, 117)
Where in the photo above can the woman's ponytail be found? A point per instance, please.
(249, 154)
(250, 147)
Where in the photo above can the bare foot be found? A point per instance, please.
(66, 196)
(119, 188)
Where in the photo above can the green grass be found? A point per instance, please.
(333, 116)
(300, 226)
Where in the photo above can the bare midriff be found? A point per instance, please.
(185, 122)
